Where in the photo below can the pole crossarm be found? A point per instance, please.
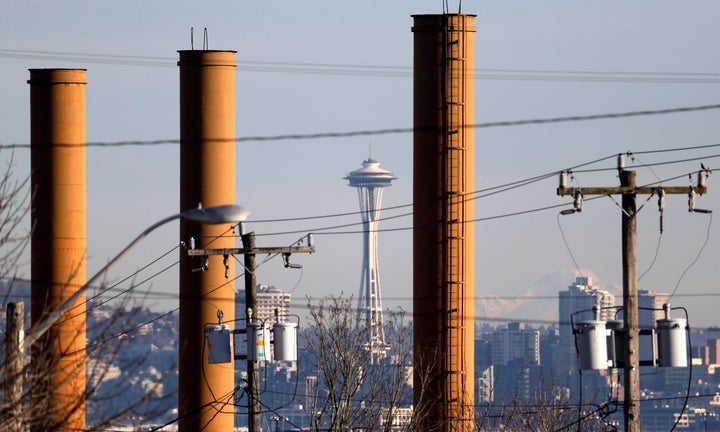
(625, 190)
(253, 250)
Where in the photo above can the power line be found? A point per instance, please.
(493, 190)
(334, 227)
(390, 71)
(389, 131)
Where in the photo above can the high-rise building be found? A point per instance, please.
(574, 305)
(485, 379)
(516, 343)
(370, 180)
(713, 351)
(269, 302)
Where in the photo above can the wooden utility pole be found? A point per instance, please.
(248, 241)
(14, 365)
(629, 191)
(249, 251)
(631, 342)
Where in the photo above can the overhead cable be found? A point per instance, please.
(391, 131)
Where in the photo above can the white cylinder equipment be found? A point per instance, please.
(285, 341)
(672, 342)
(258, 342)
(592, 344)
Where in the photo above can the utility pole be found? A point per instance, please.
(248, 241)
(14, 365)
(249, 250)
(631, 342)
(629, 191)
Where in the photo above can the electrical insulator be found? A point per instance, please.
(691, 203)
(620, 162)
(701, 179)
(661, 207)
(662, 222)
(691, 199)
(227, 266)
(204, 267)
(577, 203)
(563, 180)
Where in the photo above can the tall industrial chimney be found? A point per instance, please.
(207, 177)
(57, 141)
(443, 235)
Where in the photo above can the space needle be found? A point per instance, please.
(370, 180)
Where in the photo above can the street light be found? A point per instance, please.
(210, 215)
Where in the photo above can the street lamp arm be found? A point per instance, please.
(209, 215)
(43, 326)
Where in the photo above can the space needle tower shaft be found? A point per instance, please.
(370, 180)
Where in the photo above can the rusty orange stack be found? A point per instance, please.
(444, 235)
(57, 116)
(207, 177)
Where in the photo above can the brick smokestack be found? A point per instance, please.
(57, 118)
(444, 235)
(207, 176)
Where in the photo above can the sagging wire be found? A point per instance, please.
(661, 209)
(567, 246)
(577, 208)
(697, 257)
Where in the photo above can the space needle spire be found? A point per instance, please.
(370, 180)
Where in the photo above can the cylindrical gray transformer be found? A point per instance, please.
(592, 344)
(672, 342)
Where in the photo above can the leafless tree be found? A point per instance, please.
(353, 392)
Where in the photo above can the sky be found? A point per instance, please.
(329, 66)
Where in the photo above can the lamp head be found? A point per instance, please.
(229, 213)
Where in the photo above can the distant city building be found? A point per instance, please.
(516, 343)
(485, 384)
(311, 393)
(713, 351)
(576, 304)
(268, 300)
(702, 354)
(549, 342)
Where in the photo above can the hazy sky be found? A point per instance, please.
(330, 66)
